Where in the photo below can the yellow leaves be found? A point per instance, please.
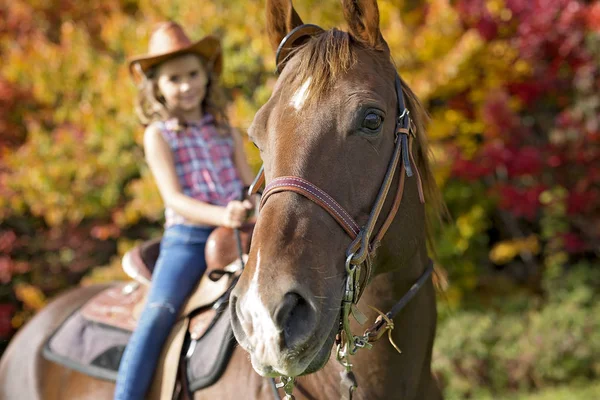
(145, 202)
(62, 179)
(450, 71)
(452, 297)
(494, 6)
(498, 8)
(523, 68)
(31, 296)
(468, 225)
(507, 250)
(19, 319)
(442, 162)
(121, 33)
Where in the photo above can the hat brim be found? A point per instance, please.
(209, 48)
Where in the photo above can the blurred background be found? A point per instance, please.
(512, 87)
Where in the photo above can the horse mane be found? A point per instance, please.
(329, 55)
(435, 207)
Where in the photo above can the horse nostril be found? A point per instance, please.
(234, 313)
(296, 318)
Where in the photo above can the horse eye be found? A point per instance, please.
(372, 121)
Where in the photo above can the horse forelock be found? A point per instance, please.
(322, 60)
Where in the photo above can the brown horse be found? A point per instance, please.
(326, 137)
(332, 121)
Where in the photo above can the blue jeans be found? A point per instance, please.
(178, 269)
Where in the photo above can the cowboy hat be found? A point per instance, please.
(168, 40)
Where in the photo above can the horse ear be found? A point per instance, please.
(363, 21)
(281, 19)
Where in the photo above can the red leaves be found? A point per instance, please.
(522, 202)
(6, 312)
(13, 100)
(469, 170)
(7, 241)
(527, 92)
(583, 202)
(573, 243)
(9, 268)
(540, 132)
(499, 119)
(525, 161)
(475, 14)
(593, 17)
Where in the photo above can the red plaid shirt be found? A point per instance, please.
(203, 163)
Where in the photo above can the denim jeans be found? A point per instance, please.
(178, 269)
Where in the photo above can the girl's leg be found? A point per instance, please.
(178, 270)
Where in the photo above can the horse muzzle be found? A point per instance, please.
(281, 333)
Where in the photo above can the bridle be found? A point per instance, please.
(365, 241)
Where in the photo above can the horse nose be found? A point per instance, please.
(279, 323)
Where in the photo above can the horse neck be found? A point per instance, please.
(403, 248)
(381, 372)
(400, 261)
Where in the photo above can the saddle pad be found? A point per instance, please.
(88, 347)
(95, 349)
(211, 353)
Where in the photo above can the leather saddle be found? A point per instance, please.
(120, 305)
(138, 263)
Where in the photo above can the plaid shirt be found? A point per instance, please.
(203, 163)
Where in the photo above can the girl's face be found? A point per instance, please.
(182, 82)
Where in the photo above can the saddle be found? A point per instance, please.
(121, 305)
(92, 340)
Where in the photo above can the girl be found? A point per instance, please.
(200, 168)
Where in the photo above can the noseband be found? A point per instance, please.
(360, 252)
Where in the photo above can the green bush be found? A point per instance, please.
(480, 353)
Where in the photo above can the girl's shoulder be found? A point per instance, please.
(154, 129)
(153, 133)
(166, 129)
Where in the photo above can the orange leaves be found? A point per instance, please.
(507, 250)
(105, 232)
(31, 296)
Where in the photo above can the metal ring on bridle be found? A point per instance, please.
(349, 266)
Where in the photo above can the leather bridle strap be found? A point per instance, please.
(325, 201)
(381, 324)
(305, 188)
(315, 194)
(361, 246)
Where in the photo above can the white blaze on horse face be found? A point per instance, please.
(301, 95)
(263, 324)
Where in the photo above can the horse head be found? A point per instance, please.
(328, 137)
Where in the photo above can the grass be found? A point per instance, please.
(575, 391)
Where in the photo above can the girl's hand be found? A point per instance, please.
(236, 213)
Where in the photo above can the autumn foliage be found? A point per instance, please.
(512, 88)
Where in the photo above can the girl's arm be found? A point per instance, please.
(239, 158)
(162, 166)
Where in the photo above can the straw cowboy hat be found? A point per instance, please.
(168, 40)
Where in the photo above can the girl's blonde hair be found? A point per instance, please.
(151, 108)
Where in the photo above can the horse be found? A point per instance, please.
(335, 139)
(330, 128)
